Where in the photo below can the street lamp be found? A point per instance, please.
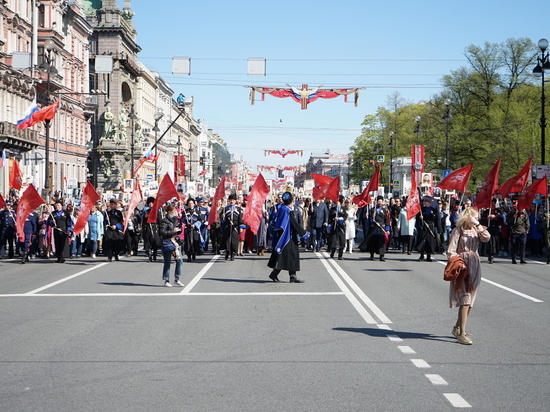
(158, 116)
(391, 163)
(447, 117)
(543, 64)
(47, 66)
(133, 118)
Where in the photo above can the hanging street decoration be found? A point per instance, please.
(304, 96)
(283, 152)
(276, 169)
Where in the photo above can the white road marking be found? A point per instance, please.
(199, 275)
(32, 292)
(366, 300)
(101, 294)
(420, 363)
(436, 379)
(456, 400)
(394, 338)
(498, 285)
(353, 300)
(406, 349)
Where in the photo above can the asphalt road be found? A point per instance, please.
(358, 335)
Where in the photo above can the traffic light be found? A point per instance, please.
(201, 160)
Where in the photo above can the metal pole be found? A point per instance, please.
(132, 147)
(47, 123)
(543, 124)
(156, 162)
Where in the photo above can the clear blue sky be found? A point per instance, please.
(384, 46)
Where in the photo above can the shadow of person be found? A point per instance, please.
(382, 333)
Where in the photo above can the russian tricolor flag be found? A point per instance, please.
(26, 121)
(148, 155)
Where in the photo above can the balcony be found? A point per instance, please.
(13, 138)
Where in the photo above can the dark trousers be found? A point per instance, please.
(517, 244)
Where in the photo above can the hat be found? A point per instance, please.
(199, 199)
(379, 198)
(232, 196)
(287, 198)
(428, 199)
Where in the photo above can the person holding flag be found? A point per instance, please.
(60, 221)
(113, 242)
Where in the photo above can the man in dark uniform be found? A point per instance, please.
(113, 237)
(379, 230)
(232, 220)
(30, 232)
(286, 254)
(150, 233)
(7, 230)
(204, 213)
(62, 225)
(428, 226)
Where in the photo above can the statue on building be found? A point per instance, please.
(138, 136)
(108, 126)
(122, 124)
(107, 165)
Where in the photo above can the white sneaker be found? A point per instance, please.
(93, 256)
(167, 284)
(177, 282)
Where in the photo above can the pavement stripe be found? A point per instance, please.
(199, 275)
(436, 379)
(420, 363)
(394, 338)
(351, 297)
(406, 349)
(498, 285)
(32, 292)
(366, 300)
(456, 400)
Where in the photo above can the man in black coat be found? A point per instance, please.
(285, 254)
(62, 225)
(232, 220)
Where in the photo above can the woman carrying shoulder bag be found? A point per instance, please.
(169, 229)
(464, 242)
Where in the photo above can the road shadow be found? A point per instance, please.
(129, 284)
(381, 333)
(239, 280)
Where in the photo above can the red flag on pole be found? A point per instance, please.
(254, 206)
(134, 201)
(526, 199)
(490, 185)
(457, 180)
(29, 201)
(2, 202)
(413, 201)
(89, 198)
(330, 190)
(16, 176)
(220, 194)
(518, 182)
(364, 198)
(166, 191)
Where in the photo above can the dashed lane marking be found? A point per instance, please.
(456, 400)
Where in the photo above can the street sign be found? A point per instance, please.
(446, 173)
(381, 158)
(396, 183)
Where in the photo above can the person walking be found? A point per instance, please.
(518, 225)
(406, 230)
(464, 242)
(169, 229)
(285, 253)
(62, 225)
(232, 220)
(150, 233)
(337, 240)
(379, 230)
(113, 239)
(319, 221)
(351, 212)
(95, 231)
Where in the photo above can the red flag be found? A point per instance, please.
(203, 172)
(321, 180)
(2, 202)
(16, 176)
(413, 201)
(29, 201)
(490, 185)
(518, 182)
(89, 198)
(526, 198)
(166, 191)
(457, 180)
(220, 194)
(364, 198)
(331, 190)
(253, 211)
(134, 201)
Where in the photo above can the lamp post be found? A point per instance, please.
(158, 116)
(391, 164)
(46, 65)
(543, 64)
(132, 116)
(447, 117)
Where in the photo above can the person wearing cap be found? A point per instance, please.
(337, 239)
(62, 225)
(204, 213)
(114, 224)
(518, 224)
(7, 230)
(428, 222)
(379, 230)
(193, 238)
(285, 254)
(232, 221)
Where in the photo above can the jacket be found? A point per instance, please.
(457, 270)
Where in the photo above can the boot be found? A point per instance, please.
(332, 250)
(429, 258)
(23, 258)
(294, 279)
(340, 253)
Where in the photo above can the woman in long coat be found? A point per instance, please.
(351, 212)
(464, 242)
(286, 254)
